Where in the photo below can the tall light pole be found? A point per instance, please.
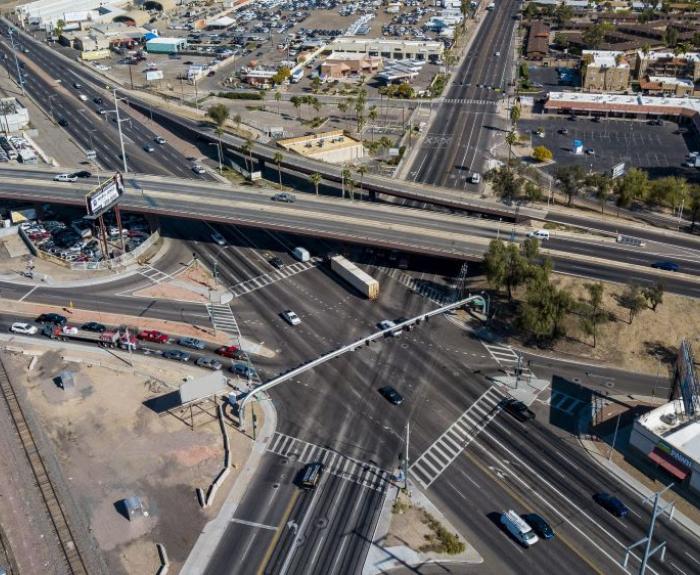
(14, 53)
(646, 541)
(119, 126)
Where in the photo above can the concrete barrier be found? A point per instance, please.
(164, 563)
(224, 473)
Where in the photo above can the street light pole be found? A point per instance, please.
(119, 126)
(14, 53)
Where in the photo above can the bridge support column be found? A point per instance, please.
(372, 196)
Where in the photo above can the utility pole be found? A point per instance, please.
(14, 53)
(119, 126)
(405, 459)
(617, 426)
(648, 551)
(518, 369)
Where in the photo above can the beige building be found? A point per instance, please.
(667, 86)
(335, 147)
(604, 71)
(342, 64)
(389, 48)
(668, 64)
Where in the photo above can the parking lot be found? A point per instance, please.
(661, 150)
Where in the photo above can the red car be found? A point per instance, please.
(229, 351)
(154, 336)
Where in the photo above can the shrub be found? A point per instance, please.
(241, 95)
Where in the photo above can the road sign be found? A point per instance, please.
(104, 196)
(91, 154)
(618, 170)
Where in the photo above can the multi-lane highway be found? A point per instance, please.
(457, 143)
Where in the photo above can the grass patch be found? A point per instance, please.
(440, 540)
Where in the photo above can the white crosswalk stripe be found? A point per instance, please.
(153, 274)
(440, 296)
(469, 101)
(440, 455)
(349, 468)
(223, 319)
(505, 356)
(264, 280)
(564, 402)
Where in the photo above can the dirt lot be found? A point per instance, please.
(110, 445)
(192, 284)
(647, 345)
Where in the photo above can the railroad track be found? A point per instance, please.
(74, 561)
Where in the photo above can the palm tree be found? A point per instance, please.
(511, 139)
(361, 170)
(315, 180)
(345, 177)
(278, 160)
(515, 114)
(219, 114)
(373, 114)
(296, 102)
(278, 98)
(237, 118)
(247, 148)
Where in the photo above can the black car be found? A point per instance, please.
(518, 409)
(62, 122)
(93, 326)
(176, 354)
(97, 100)
(54, 318)
(81, 174)
(666, 266)
(612, 504)
(391, 395)
(539, 525)
(276, 263)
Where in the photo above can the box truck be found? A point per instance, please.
(361, 281)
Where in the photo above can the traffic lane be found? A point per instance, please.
(570, 482)
(258, 521)
(474, 492)
(628, 228)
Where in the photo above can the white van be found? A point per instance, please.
(539, 234)
(476, 178)
(83, 98)
(302, 254)
(517, 527)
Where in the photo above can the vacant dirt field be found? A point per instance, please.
(111, 443)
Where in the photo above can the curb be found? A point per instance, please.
(211, 534)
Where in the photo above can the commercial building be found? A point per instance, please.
(258, 77)
(166, 45)
(45, 14)
(604, 71)
(387, 48)
(667, 86)
(13, 116)
(335, 147)
(537, 41)
(343, 64)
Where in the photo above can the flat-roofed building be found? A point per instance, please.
(387, 48)
(605, 71)
(335, 147)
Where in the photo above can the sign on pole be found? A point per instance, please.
(104, 196)
(618, 170)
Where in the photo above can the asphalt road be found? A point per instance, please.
(458, 140)
(85, 125)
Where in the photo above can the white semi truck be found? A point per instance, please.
(361, 281)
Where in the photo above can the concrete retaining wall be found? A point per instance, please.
(223, 474)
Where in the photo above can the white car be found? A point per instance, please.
(24, 328)
(64, 178)
(290, 317)
(197, 169)
(160, 140)
(388, 324)
(476, 178)
(69, 330)
(218, 238)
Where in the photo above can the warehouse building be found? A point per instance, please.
(334, 146)
(13, 116)
(387, 48)
(166, 45)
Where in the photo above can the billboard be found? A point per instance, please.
(152, 75)
(203, 387)
(685, 383)
(105, 196)
(618, 170)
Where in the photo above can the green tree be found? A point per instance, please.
(278, 99)
(505, 182)
(359, 105)
(544, 308)
(237, 120)
(58, 30)
(602, 184)
(654, 295)
(633, 186)
(345, 177)
(570, 179)
(506, 267)
(316, 180)
(670, 36)
(277, 158)
(515, 113)
(633, 300)
(315, 84)
(668, 191)
(594, 34)
(694, 205)
(296, 102)
(247, 149)
(542, 154)
(561, 40)
(361, 171)
(218, 113)
(282, 73)
(563, 14)
(533, 192)
(531, 11)
(530, 248)
(592, 313)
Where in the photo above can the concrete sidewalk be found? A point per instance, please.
(213, 531)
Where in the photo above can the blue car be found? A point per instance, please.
(666, 266)
(191, 342)
(612, 504)
(176, 354)
(539, 525)
(243, 370)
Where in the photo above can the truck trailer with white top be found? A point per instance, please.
(361, 281)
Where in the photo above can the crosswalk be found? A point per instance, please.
(348, 468)
(469, 101)
(441, 296)
(264, 280)
(504, 356)
(223, 319)
(153, 274)
(564, 402)
(438, 457)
